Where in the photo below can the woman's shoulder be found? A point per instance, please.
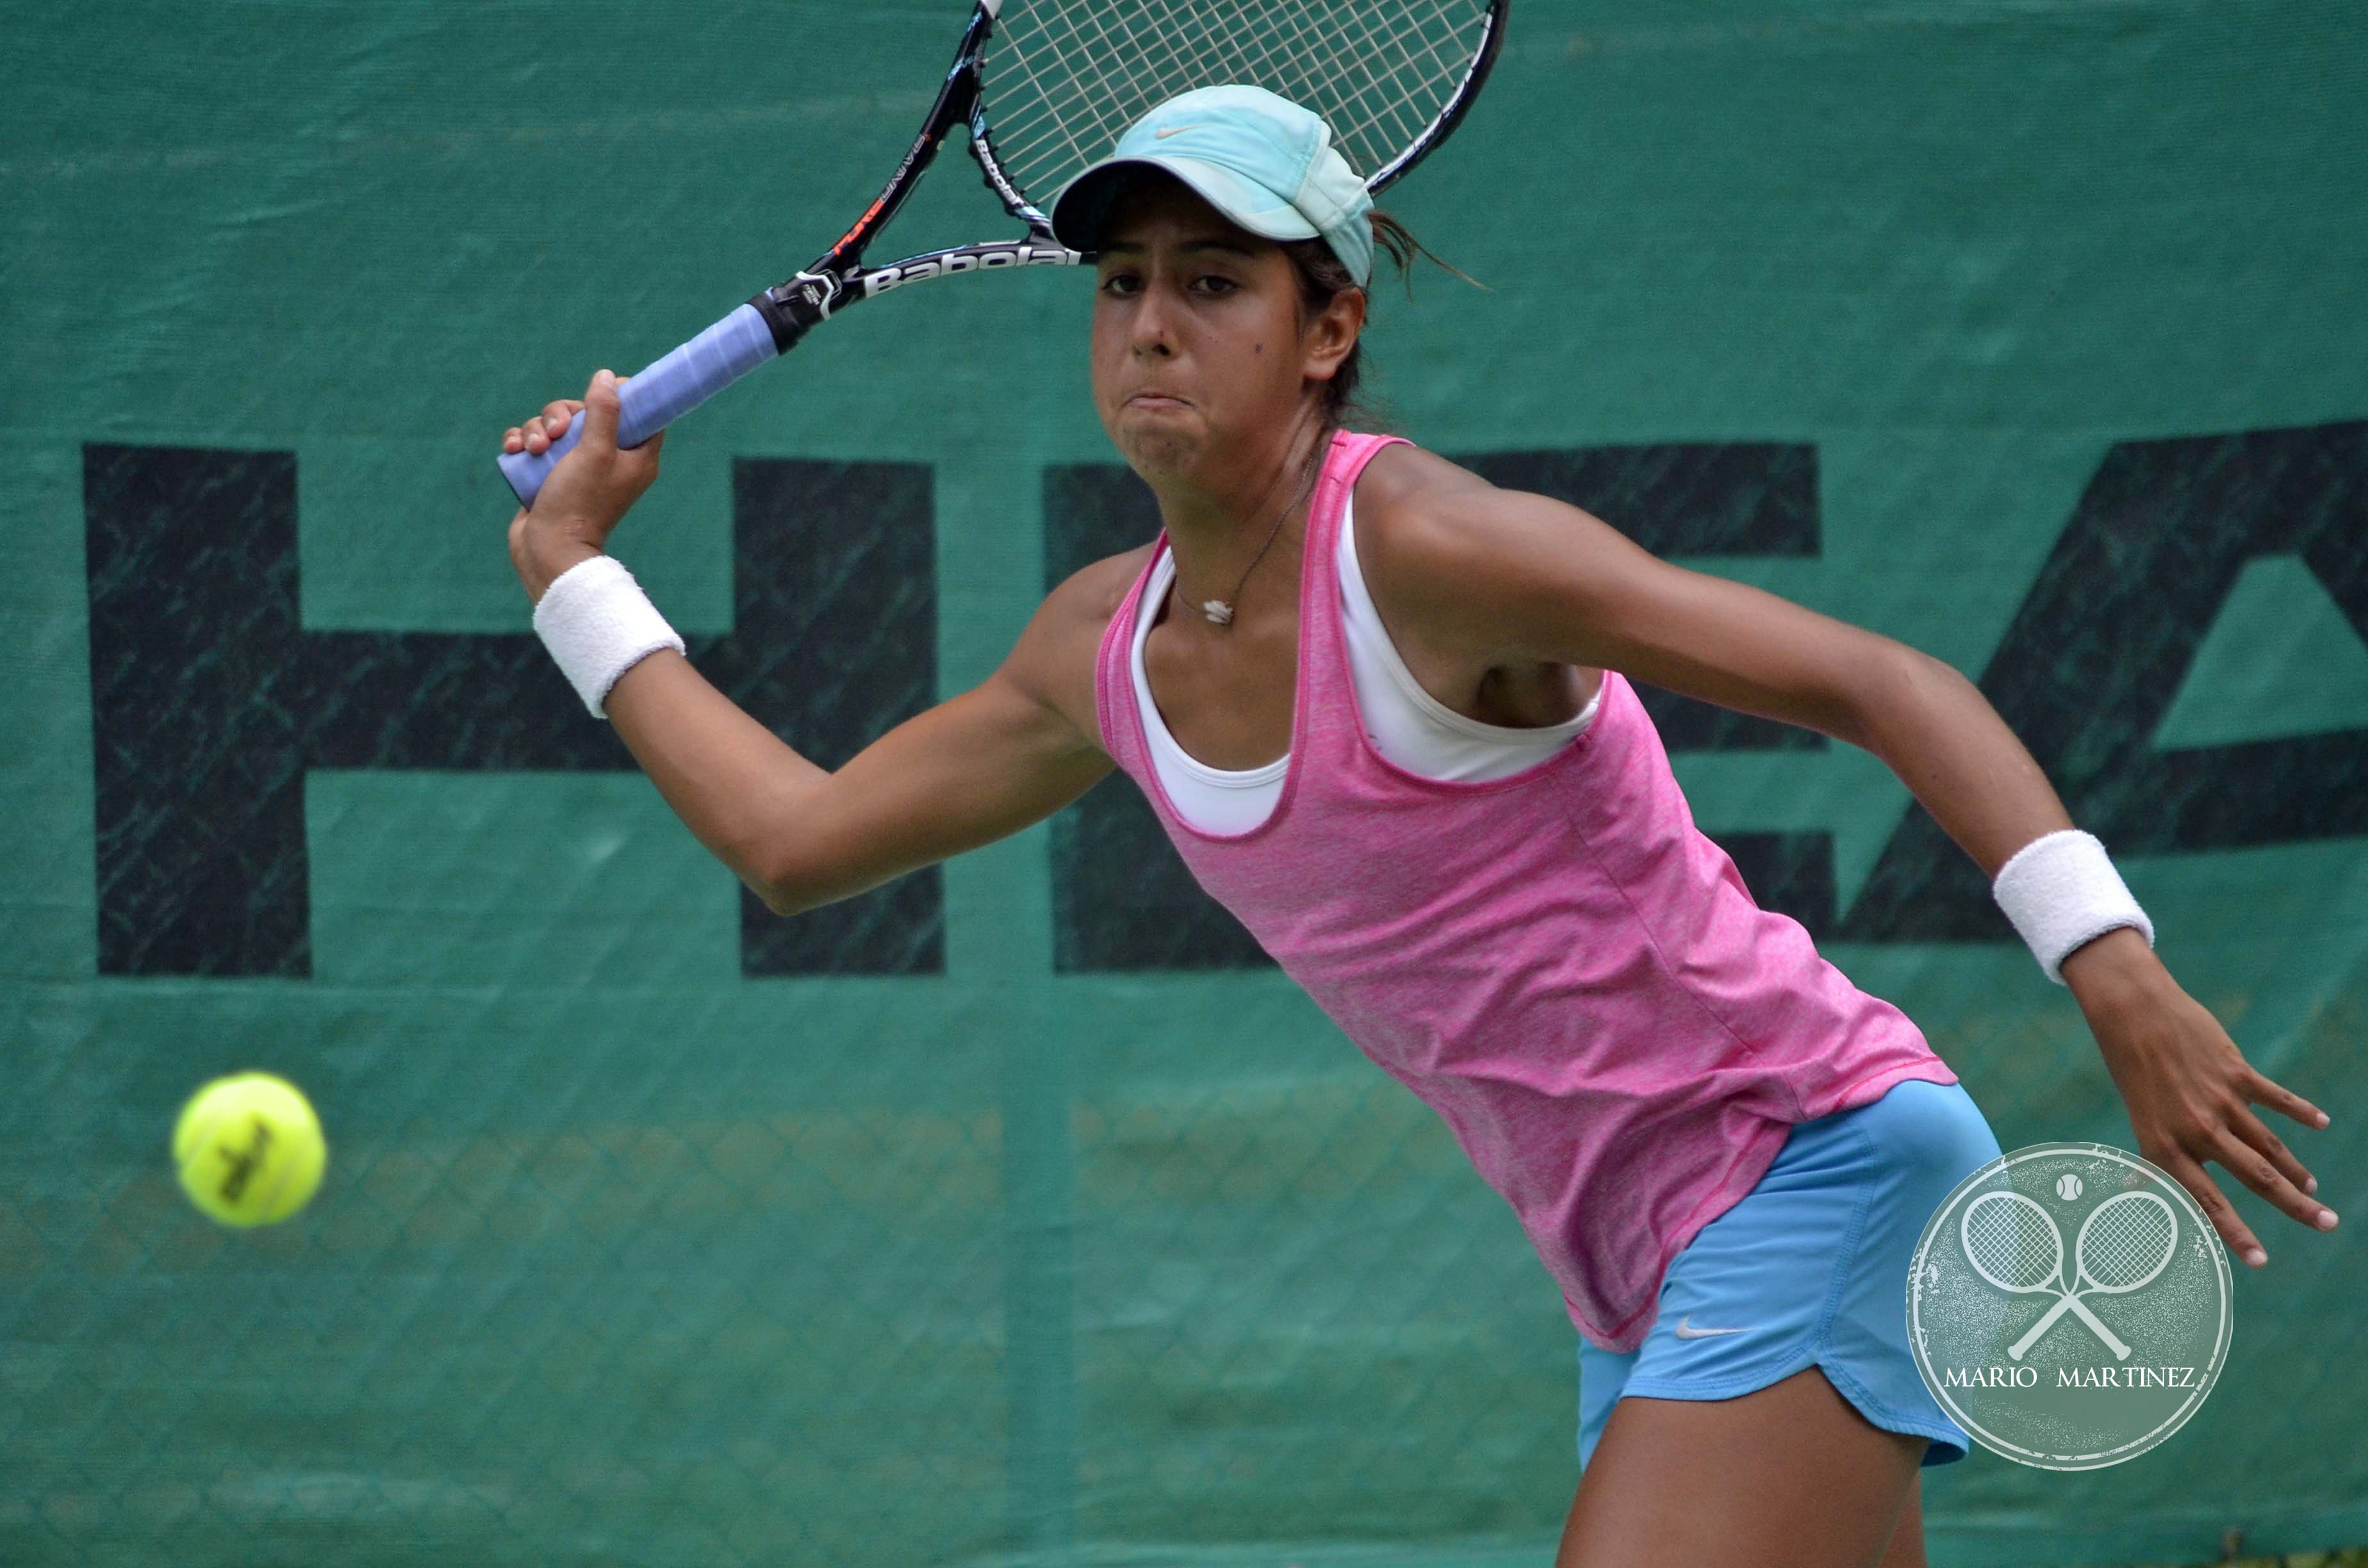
(1405, 478)
(1403, 487)
(1095, 591)
(1056, 652)
(1402, 496)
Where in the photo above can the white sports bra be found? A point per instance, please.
(1406, 723)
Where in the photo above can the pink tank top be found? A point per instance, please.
(1556, 961)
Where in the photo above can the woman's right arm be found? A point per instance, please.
(1009, 752)
(977, 767)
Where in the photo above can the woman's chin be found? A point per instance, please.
(1158, 443)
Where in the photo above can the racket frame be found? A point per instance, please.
(837, 278)
(774, 322)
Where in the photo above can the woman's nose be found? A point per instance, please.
(1151, 330)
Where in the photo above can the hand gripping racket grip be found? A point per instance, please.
(660, 394)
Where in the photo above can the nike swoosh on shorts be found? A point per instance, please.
(1686, 1330)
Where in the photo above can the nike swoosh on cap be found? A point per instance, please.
(1165, 131)
(1686, 1330)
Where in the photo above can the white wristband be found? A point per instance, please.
(2061, 891)
(597, 623)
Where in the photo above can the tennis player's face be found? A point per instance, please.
(1197, 352)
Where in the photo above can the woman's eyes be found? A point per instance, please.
(1125, 284)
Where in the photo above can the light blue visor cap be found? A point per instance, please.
(1264, 162)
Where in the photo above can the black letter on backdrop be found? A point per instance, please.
(2102, 643)
(1122, 899)
(209, 701)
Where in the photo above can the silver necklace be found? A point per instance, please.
(1219, 610)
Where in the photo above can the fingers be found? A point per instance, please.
(647, 452)
(2257, 1171)
(600, 406)
(537, 434)
(2285, 1102)
(2266, 1175)
(2216, 1209)
(2253, 1131)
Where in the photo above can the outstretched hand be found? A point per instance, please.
(2189, 1090)
(587, 492)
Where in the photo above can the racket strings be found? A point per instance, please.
(1288, 66)
(1118, 61)
(1063, 78)
(1368, 82)
(1373, 111)
(1378, 109)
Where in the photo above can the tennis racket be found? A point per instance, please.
(2014, 1243)
(1045, 88)
(2125, 1242)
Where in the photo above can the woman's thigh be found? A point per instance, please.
(1775, 1389)
(1789, 1476)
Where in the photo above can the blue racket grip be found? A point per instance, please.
(658, 395)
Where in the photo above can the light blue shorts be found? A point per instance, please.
(1811, 1264)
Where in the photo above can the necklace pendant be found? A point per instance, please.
(1217, 611)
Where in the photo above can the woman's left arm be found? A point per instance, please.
(1507, 576)
(2190, 1091)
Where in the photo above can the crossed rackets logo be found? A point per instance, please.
(2006, 1230)
(2015, 1245)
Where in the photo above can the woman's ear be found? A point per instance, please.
(1332, 334)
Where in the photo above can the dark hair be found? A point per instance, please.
(1323, 276)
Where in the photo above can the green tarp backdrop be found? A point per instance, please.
(1020, 1210)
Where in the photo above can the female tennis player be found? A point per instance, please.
(1385, 712)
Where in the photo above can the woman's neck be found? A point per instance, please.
(1217, 531)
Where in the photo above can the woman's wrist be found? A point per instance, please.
(2113, 968)
(596, 624)
(543, 554)
(2063, 896)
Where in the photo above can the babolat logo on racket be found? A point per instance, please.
(2070, 1306)
(969, 258)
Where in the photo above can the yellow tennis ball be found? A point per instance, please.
(249, 1149)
